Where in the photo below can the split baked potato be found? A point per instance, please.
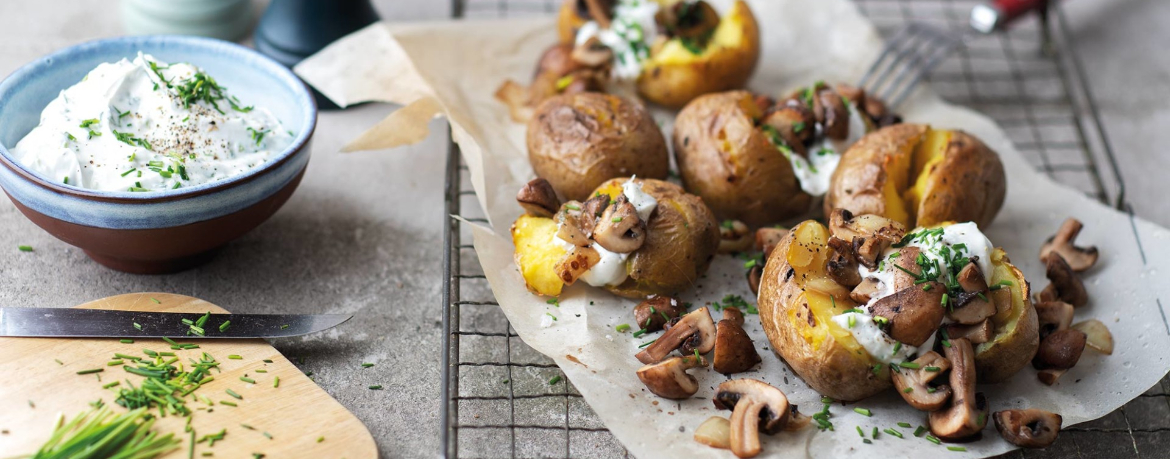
(807, 307)
(764, 162)
(578, 141)
(665, 252)
(694, 50)
(919, 176)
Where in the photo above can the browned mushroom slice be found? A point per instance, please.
(1061, 350)
(1031, 428)
(569, 225)
(790, 124)
(1053, 316)
(538, 198)
(836, 124)
(669, 378)
(696, 322)
(914, 314)
(1064, 243)
(619, 229)
(870, 235)
(979, 333)
(967, 413)
(1097, 335)
(852, 94)
(592, 54)
(755, 407)
(592, 210)
(973, 305)
(557, 60)
(734, 350)
(734, 236)
(768, 238)
(914, 383)
(865, 290)
(1066, 285)
(754, 275)
(652, 314)
(842, 266)
(688, 19)
(714, 432)
(575, 264)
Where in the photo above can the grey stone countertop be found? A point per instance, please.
(363, 235)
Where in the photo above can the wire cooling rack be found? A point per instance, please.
(497, 397)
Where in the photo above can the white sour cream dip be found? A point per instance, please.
(611, 269)
(963, 238)
(145, 125)
(629, 35)
(824, 155)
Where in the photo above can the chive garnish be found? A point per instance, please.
(247, 380)
(225, 402)
(267, 360)
(622, 328)
(25, 248)
(893, 432)
(109, 385)
(919, 431)
(234, 357)
(554, 380)
(640, 346)
(907, 390)
(266, 434)
(904, 425)
(367, 365)
(156, 301)
(282, 327)
(113, 363)
(932, 369)
(956, 448)
(375, 387)
(59, 362)
(224, 326)
(234, 394)
(91, 371)
(910, 365)
(863, 411)
(875, 433)
(276, 381)
(137, 326)
(126, 341)
(933, 439)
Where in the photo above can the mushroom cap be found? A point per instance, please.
(775, 412)
(1064, 243)
(734, 350)
(654, 312)
(669, 378)
(916, 380)
(979, 333)
(619, 229)
(1061, 350)
(538, 198)
(696, 322)
(1053, 316)
(1030, 428)
(1066, 285)
(914, 313)
(967, 414)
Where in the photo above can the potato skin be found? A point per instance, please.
(1017, 340)
(831, 369)
(968, 184)
(681, 239)
(674, 82)
(726, 160)
(578, 141)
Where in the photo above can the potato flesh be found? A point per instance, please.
(930, 152)
(1005, 321)
(536, 254)
(729, 34)
(909, 176)
(807, 256)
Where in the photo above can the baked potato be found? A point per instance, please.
(828, 324)
(762, 162)
(690, 51)
(919, 176)
(619, 240)
(578, 141)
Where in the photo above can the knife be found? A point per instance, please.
(104, 323)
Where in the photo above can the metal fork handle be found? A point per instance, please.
(908, 57)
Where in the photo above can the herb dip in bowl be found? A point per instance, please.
(153, 179)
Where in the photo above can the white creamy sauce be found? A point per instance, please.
(123, 127)
(960, 236)
(824, 155)
(611, 269)
(630, 34)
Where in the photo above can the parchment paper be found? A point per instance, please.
(453, 68)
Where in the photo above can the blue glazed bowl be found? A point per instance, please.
(162, 231)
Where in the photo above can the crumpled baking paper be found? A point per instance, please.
(452, 69)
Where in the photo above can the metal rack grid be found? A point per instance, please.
(497, 400)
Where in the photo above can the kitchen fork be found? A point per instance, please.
(911, 54)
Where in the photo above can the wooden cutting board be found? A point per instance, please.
(35, 389)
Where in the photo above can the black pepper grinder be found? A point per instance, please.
(292, 30)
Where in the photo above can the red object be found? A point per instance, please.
(1010, 10)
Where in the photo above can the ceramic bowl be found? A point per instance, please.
(162, 231)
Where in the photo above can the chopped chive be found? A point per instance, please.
(863, 411)
(893, 432)
(137, 326)
(554, 380)
(933, 369)
(919, 431)
(225, 402)
(910, 365)
(860, 432)
(907, 390)
(109, 385)
(957, 448)
(367, 365)
(266, 434)
(262, 371)
(247, 380)
(156, 301)
(622, 328)
(267, 360)
(234, 394)
(113, 363)
(640, 346)
(224, 326)
(933, 439)
(59, 362)
(25, 248)
(234, 357)
(904, 425)
(638, 333)
(320, 439)
(127, 341)
(276, 381)
(91, 371)
(376, 387)
(897, 347)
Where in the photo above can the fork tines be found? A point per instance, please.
(906, 59)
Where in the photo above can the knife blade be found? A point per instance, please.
(104, 323)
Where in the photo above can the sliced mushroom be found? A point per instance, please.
(538, 198)
(734, 350)
(652, 314)
(1064, 243)
(1097, 335)
(557, 60)
(792, 124)
(1066, 286)
(914, 383)
(836, 125)
(842, 266)
(619, 229)
(1053, 316)
(570, 223)
(688, 19)
(575, 264)
(973, 305)
(865, 290)
(755, 407)
(1030, 428)
(870, 235)
(1060, 350)
(669, 378)
(592, 210)
(852, 94)
(592, 54)
(754, 275)
(697, 322)
(734, 236)
(767, 239)
(914, 314)
(967, 413)
(714, 432)
(979, 333)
